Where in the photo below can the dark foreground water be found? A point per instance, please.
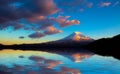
(41, 62)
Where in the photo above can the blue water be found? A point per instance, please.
(41, 62)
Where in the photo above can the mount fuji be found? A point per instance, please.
(76, 37)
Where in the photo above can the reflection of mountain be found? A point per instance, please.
(106, 46)
(75, 40)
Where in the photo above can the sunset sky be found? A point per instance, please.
(36, 21)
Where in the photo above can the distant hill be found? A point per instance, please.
(106, 46)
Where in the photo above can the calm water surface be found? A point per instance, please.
(41, 62)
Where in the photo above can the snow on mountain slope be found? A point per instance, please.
(76, 36)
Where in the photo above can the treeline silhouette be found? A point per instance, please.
(106, 46)
(48, 45)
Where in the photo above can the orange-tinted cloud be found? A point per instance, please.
(52, 63)
(63, 22)
(78, 57)
(51, 30)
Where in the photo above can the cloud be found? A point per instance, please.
(81, 9)
(18, 67)
(26, 9)
(51, 30)
(89, 5)
(36, 18)
(63, 22)
(17, 26)
(105, 4)
(69, 70)
(36, 35)
(46, 67)
(21, 56)
(21, 37)
(78, 57)
(73, 6)
(36, 58)
(32, 72)
(116, 3)
(52, 63)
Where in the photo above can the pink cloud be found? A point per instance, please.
(52, 63)
(63, 21)
(51, 30)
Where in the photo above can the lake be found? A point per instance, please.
(58, 62)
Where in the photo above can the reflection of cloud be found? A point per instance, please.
(52, 63)
(36, 35)
(51, 30)
(46, 67)
(18, 67)
(104, 4)
(32, 72)
(78, 57)
(37, 58)
(66, 70)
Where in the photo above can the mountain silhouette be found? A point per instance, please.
(106, 46)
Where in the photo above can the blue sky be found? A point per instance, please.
(36, 21)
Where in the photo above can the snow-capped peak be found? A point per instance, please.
(77, 33)
(77, 36)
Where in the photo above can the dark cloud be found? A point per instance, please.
(36, 58)
(21, 37)
(32, 72)
(21, 56)
(18, 67)
(36, 35)
(17, 26)
(25, 9)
